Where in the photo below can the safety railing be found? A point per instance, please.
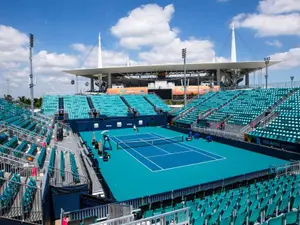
(69, 178)
(21, 155)
(219, 133)
(100, 212)
(14, 166)
(292, 168)
(19, 207)
(117, 221)
(25, 134)
(179, 217)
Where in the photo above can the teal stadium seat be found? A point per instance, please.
(110, 105)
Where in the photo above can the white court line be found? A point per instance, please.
(133, 156)
(132, 135)
(194, 164)
(154, 146)
(191, 148)
(141, 155)
(176, 153)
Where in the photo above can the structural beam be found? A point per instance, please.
(247, 79)
(109, 80)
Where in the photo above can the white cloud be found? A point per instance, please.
(47, 66)
(270, 25)
(149, 25)
(274, 43)
(222, 1)
(290, 59)
(278, 6)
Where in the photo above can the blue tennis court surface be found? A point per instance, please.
(164, 156)
(148, 170)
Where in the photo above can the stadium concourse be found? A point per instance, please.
(228, 157)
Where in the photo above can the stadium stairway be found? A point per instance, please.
(60, 103)
(191, 106)
(158, 104)
(90, 102)
(127, 104)
(207, 107)
(263, 120)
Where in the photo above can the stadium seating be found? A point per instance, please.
(50, 105)
(217, 100)
(139, 103)
(157, 102)
(268, 198)
(1, 178)
(74, 168)
(32, 149)
(21, 148)
(249, 105)
(10, 192)
(42, 157)
(110, 105)
(48, 138)
(77, 106)
(12, 143)
(62, 165)
(286, 127)
(51, 165)
(194, 102)
(29, 195)
(3, 138)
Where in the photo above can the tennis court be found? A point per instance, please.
(159, 153)
(151, 166)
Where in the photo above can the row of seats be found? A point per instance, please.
(74, 168)
(29, 196)
(48, 138)
(32, 150)
(269, 198)
(62, 165)
(42, 157)
(77, 106)
(50, 105)
(286, 127)
(110, 105)
(158, 102)
(1, 178)
(140, 104)
(11, 143)
(249, 105)
(10, 192)
(51, 165)
(216, 101)
(21, 148)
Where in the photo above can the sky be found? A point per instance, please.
(146, 32)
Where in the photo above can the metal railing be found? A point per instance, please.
(100, 212)
(13, 166)
(287, 84)
(117, 221)
(292, 168)
(219, 133)
(15, 206)
(179, 217)
(22, 155)
(26, 134)
(69, 178)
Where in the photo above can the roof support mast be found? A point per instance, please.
(233, 44)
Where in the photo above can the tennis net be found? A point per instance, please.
(141, 143)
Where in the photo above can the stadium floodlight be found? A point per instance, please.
(183, 52)
(292, 79)
(267, 61)
(31, 85)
